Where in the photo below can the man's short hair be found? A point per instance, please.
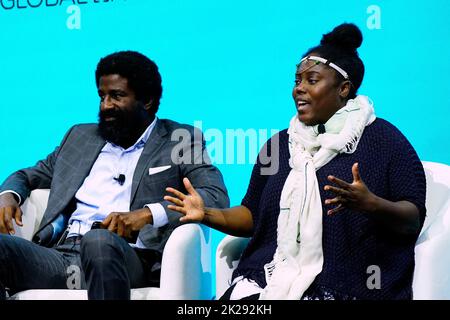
(141, 72)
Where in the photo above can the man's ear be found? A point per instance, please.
(148, 105)
(345, 89)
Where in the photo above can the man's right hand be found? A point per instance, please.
(9, 209)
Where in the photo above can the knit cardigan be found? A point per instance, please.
(356, 247)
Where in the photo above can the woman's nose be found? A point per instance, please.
(299, 87)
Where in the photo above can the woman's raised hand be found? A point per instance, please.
(353, 195)
(191, 205)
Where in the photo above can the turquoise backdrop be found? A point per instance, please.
(226, 66)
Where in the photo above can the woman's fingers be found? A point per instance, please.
(185, 219)
(176, 208)
(189, 187)
(338, 191)
(355, 172)
(336, 209)
(339, 182)
(177, 193)
(175, 201)
(337, 200)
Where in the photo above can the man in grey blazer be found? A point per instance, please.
(107, 184)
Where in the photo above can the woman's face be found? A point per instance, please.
(317, 93)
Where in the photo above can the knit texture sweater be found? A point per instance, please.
(358, 250)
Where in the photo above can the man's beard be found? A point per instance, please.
(125, 127)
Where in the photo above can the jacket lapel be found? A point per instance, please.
(154, 143)
(88, 154)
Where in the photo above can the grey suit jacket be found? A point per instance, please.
(170, 144)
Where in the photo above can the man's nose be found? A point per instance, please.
(107, 103)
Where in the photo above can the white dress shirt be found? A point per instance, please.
(100, 194)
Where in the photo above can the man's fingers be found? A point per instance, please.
(177, 193)
(189, 187)
(10, 226)
(107, 221)
(120, 227)
(175, 201)
(355, 172)
(18, 217)
(2, 221)
(112, 225)
(7, 220)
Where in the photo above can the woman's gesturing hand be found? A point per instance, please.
(353, 195)
(190, 205)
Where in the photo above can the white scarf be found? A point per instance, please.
(298, 258)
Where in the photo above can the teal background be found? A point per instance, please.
(229, 64)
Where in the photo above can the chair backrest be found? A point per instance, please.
(432, 270)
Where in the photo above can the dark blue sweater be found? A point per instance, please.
(352, 241)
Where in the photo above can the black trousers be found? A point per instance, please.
(101, 262)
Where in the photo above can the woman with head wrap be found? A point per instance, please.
(340, 217)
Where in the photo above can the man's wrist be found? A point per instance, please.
(159, 216)
(148, 216)
(11, 194)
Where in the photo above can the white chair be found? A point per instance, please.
(432, 262)
(185, 267)
(431, 273)
(228, 254)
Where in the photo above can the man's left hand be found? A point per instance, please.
(124, 223)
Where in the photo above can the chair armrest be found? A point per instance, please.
(33, 210)
(186, 264)
(228, 253)
(431, 273)
(432, 257)
(437, 197)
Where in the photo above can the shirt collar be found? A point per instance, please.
(144, 137)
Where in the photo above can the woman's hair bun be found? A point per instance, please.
(346, 36)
